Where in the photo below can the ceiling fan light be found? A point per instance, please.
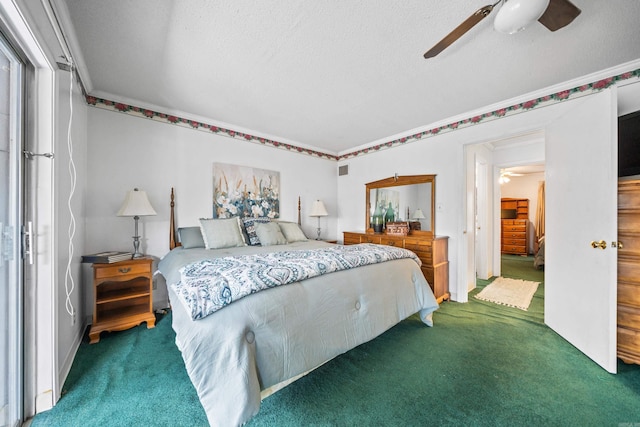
(516, 15)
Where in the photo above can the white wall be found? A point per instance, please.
(443, 155)
(69, 328)
(126, 152)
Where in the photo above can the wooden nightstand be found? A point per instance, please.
(122, 296)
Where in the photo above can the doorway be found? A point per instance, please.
(522, 217)
(484, 161)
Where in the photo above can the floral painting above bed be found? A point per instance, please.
(245, 192)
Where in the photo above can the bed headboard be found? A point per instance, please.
(173, 240)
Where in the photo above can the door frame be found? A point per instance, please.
(537, 122)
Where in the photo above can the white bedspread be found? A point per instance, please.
(273, 335)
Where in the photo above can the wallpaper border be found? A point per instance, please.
(546, 100)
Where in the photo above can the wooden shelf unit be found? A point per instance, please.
(515, 231)
(433, 252)
(122, 296)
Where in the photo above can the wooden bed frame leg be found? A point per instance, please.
(172, 225)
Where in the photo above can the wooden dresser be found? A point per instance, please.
(433, 252)
(629, 271)
(515, 230)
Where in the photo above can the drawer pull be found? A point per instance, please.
(124, 270)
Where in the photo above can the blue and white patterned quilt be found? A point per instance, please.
(208, 285)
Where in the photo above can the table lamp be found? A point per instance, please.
(318, 210)
(136, 204)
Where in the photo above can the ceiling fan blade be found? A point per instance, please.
(559, 13)
(459, 31)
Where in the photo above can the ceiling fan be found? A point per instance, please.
(514, 16)
(505, 176)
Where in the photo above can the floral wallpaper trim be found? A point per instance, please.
(546, 100)
(201, 126)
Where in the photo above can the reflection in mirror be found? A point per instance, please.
(405, 203)
(402, 198)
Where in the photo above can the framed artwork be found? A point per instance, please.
(245, 192)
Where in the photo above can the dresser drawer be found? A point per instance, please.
(629, 294)
(630, 242)
(370, 238)
(417, 245)
(351, 239)
(392, 241)
(628, 340)
(628, 195)
(514, 229)
(114, 271)
(628, 271)
(514, 249)
(628, 221)
(629, 317)
(514, 242)
(512, 235)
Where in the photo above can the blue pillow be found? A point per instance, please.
(190, 237)
(249, 226)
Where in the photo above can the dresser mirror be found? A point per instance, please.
(402, 198)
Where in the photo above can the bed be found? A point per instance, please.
(538, 259)
(253, 345)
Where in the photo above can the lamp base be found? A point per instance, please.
(136, 241)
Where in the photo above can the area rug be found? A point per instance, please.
(510, 292)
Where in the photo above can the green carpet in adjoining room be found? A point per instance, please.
(482, 364)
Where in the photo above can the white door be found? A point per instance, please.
(10, 216)
(482, 221)
(468, 240)
(581, 204)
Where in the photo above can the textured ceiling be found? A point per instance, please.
(331, 75)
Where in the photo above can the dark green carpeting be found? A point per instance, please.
(482, 365)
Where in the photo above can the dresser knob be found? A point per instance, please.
(124, 270)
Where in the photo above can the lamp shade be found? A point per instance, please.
(136, 203)
(418, 214)
(318, 209)
(516, 15)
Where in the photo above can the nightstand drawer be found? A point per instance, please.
(113, 271)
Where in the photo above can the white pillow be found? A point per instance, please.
(292, 232)
(221, 233)
(269, 234)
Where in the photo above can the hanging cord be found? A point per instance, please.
(69, 284)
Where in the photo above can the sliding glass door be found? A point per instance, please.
(11, 83)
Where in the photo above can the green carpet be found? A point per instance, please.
(482, 364)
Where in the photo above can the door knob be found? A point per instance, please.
(601, 244)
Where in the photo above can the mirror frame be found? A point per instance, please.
(396, 181)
